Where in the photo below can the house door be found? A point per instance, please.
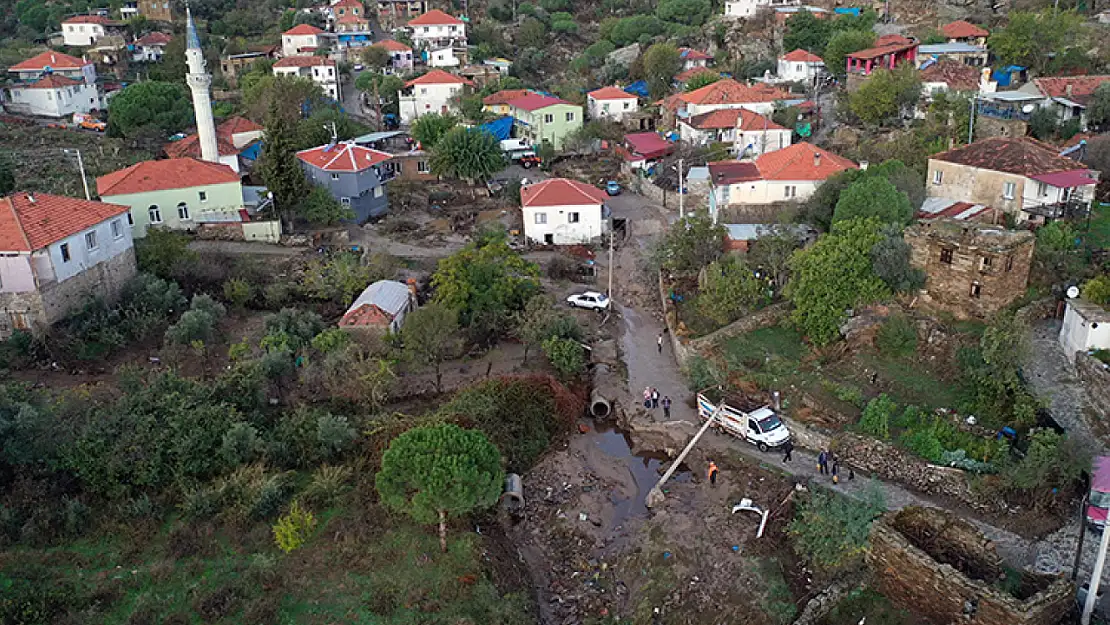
(549, 239)
(19, 321)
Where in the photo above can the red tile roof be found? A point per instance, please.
(694, 71)
(435, 17)
(1024, 156)
(801, 161)
(894, 39)
(173, 173)
(53, 60)
(958, 76)
(611, 93)
(1082, 87)
(347, 3)
(438, 77)
(887, 44)
(236, 125)
(648, 144)
(393, 46)
(154, 39)
(961, 29)
(728, 91)
(802, 56)
(733, 118)
(351, 18)
(190, 147)
(504, 96)
(690, 54)
(91, 19)
(303, 29)
(343, 157)
(305, 61)
(535, 102)
(561, 192)
(32, 222)
(52, 81)
(732, 172)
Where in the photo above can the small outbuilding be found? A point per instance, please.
(381, 307)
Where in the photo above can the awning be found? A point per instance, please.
(1067, 179)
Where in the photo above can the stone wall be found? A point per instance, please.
(1096, 378)
(938, 566)
(986, 127)
(103, 280)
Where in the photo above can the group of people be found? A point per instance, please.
(828, 463)
(652, 401)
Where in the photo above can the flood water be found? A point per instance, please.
(646, 468)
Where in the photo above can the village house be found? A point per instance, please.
(82, 31)
(791, 174)
(723, 94)
(684, 77)
(954, 77)
(322, 70)
(393, 13)
(971, 269)
(436, 30)
(1067, 96)
(234, 64)
(54, 252)
(381, 307)
(355, 176)
(431, 93)
(888, 52)
(559, 211)
(302, 40)
(156, 10)
(1086, 327)
(176, 193)
(54, 63)
(498, 103)
(800, 66)
(641, 150)
(400, 56)
(344, 8)
(544, 119)
(150, 47)
(611, 103)
(748, 8)
(481, 75)
(962, 31)
(232, 136)
(52, 84)
(975, 56)
(692, 58)
(408, 161)
(1021, 177)
(351, 23)
(748, 134)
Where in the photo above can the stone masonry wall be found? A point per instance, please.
(914, 580)
(27, 305)
(1096, 378)
(104, 280)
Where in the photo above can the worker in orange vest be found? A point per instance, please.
(712, 473)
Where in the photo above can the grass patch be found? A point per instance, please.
(908, 382)
(778, 602)
(1098, 237)
(754, 348)
(870, 605)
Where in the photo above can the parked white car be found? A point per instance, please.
(590, 299)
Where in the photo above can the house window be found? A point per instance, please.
(946, 257)
(335, 176)
(790, 191)
(1008, 190)
(570, 117)
(202, 196)
(605, 107)
(379, 191)
(155, 214)
(985, 263)
(1009, 263)
(65, 252)
(90, 240)
(798, 67)
(345, 201)
(572, 218)
(976, 290)
(541, 218)
(627, 105)
(130, 219)
(117, 229)
(182, 211)
(547, 119)
(422, 167)
(938, 176)
(1042, 189)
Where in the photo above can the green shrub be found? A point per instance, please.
(1097, 290)
(923, 442)
(241, 444)
(328, 484)
(832, 530)
(876, 417)
(331, 340)
(334, 435)
(291, 329)
(238, 292)
(193, 326)
(566, 355)
(897, 337)
(844, 392)
(294, 529)
(701, 373)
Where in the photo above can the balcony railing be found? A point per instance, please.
(1002, 112)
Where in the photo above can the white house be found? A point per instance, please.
(611, 103)
(430, 93)
(726, 93)
(55, 63)
(301, 40)
(322, 70)
(54, 250)
(559, 211)
(791, 174)
(150, 47)
(800, 66)
(443, 56)
(436, 29)
(692, 58)
(748, 8)
(1086, 326)
(53, 96)
(381, 307)
(749, 134)
(86, 30)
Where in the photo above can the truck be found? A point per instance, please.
(520, 151)
(758, 424)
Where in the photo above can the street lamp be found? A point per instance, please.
(81, 165)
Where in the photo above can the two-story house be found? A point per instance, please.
(52, 84)
(407, 159)
(545, 119)
(86, 30)
(791, 174)
(343, 8)
(800, 66)
(962, 31)
(611, 103)
(1022, 177)
(431, 93)
(748, 134)
(888, 52)
(435, 30)
(400, 56)
(354, 175)
(321, 70)
(54, 252)
(1067, 96)
(150, 47)
(559, 211)
(692, 58)
(971, 269)
(302, 40)
(748, 8)
(723, 94)
(498, 103)
(175, 193)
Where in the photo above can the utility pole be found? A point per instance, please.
(681, 195)
(1096, 578)
(378, 107)
(655, 495)
(971, 120)
(609, 291)
(81, 166)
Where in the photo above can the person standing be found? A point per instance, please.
(647, 397)
(835, 470)
(823, 462)
(666, 407)
(711, 473)
(659, 342)
(788, 449)
(654, 398)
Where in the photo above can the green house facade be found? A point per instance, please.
(545, 119)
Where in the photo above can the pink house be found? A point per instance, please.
(888, 52)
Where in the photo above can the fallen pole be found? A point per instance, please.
(655, 495)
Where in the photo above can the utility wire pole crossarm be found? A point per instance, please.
(656, 496)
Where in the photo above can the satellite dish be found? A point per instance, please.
(1028, 108)
(1073, 292)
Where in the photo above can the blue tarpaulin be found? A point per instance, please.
(500, 128)
(252, 151)
(639, 88)
(854, 11)
(1005, 75)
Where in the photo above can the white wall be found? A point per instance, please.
(424, 34)
(762, 141)
(323, 75)
(81, 34)
(15, 273)
(589, 223)
(148, 53)
(81, 257)
(1077, 334)
(741, 8)
(61, 102)
(443, 57)
(763, 108)
(616, 111)
(796, 71)
(426, 99)
(290, 44)
(765, 191)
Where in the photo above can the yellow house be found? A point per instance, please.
(498, 103)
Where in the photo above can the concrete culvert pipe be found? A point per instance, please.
(599, 405)
(512, 499)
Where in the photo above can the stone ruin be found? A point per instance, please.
(942, 568)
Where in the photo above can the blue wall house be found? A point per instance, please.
(354, 175)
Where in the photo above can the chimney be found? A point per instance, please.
(816, 160)
(31, 197)
(1067, 89)
(863, 165)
